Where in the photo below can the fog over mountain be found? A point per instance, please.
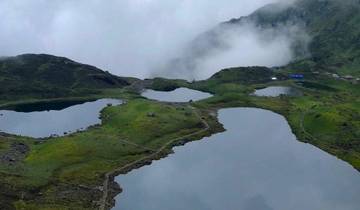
(136, 37)
(233, 45)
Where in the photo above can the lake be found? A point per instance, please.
(40, 120)
(257, 164)
(275, 91)
(178, 95)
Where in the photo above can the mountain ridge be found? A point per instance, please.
(334, 28)
(325, 35)
(48, 76)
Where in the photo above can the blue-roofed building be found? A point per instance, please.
(297, 76)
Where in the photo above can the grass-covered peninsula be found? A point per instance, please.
(69, 172)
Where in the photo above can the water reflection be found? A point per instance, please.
(45, 106)
(276, 91)
(178, 95)
(257, 164)
(45, 123)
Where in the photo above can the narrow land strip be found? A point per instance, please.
(104, 199)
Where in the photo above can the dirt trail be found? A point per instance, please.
(104, 199)
(137, 145)
(302, 119)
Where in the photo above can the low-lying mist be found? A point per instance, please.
(233, 46)
(140, 37)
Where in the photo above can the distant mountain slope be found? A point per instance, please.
(333, 27)
(50, 76)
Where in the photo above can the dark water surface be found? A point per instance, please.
(39, 120)
(275, 91)
(45, 106)
(257, 164)
(178, 95)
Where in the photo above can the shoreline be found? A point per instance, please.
(113, 189)
(116, 189)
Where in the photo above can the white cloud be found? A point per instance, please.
(126, 37)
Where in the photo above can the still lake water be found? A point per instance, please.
(275, 91)
(40, 121)
(257, 164)
(178, 95)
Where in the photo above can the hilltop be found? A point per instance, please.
(48, 76)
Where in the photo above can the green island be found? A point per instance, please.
(77, 171)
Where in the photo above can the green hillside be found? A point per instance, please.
(325, 35)
(333, 26)
(47, 76)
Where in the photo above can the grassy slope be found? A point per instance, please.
(333, 26)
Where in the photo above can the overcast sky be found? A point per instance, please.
(126, 37)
